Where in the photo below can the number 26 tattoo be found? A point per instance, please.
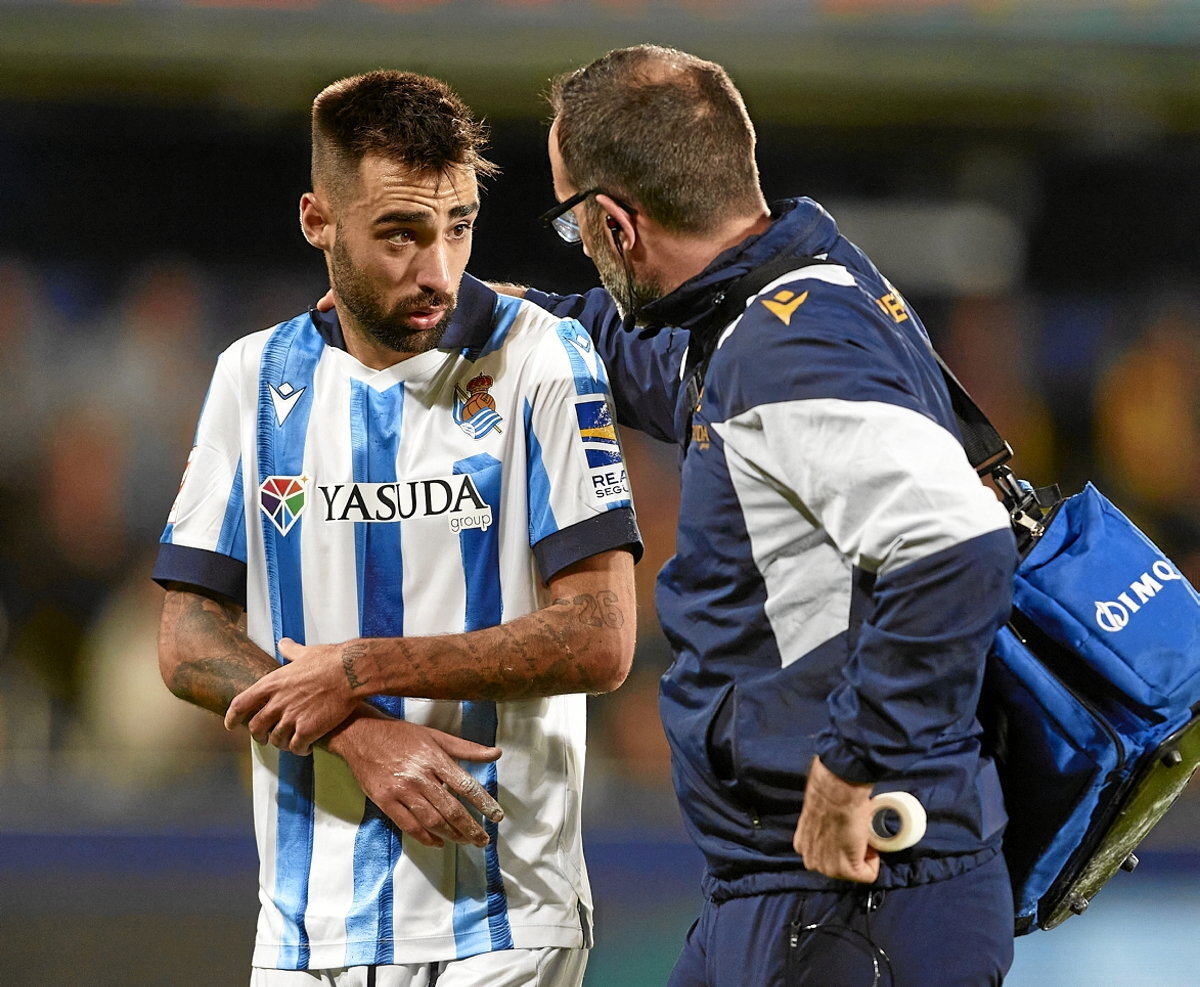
(600, 610)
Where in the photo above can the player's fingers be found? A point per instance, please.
(299, 744)
(325, 303)
(444, 815)
(261, 724)
(240, 708)
(466, 750)
(289, 649)
(281, 736)
(408, 824)
(463, 784)
(308, 731)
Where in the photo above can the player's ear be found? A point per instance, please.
(316, 221)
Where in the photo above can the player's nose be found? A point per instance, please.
(433, 272)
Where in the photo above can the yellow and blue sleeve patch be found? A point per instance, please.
(598, 432)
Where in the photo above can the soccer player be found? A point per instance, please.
(421, 491)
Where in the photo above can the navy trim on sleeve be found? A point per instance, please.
(603, 533)
(200, 567)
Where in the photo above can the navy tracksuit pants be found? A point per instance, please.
(954, 933)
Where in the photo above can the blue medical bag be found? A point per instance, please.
(1091, 692)
(1090, 703)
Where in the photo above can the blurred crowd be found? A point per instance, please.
(102, 376)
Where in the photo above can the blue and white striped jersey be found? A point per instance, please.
(435, 496)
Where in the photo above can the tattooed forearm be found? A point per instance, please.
(352, 659)
(596, 610)
(563, 648)
(213, 682)
(204, 653)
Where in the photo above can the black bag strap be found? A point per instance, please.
(985, 448)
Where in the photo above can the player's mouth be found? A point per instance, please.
(426, 318)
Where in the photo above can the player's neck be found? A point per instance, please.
(681, 258)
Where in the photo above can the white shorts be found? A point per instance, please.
(550, 967)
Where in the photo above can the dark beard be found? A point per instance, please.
(386, 327)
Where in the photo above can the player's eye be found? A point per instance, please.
(402, 236)
(461, 230)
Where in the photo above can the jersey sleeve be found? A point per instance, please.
(893, 492)
(644, 370)
(204, 542)
(578, 490)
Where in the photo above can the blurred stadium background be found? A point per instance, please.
(1024, 170)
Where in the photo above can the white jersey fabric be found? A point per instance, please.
(435, 496)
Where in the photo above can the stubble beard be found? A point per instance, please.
(387, 327)
(628, 292)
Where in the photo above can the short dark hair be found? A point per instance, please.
(663, 129)
(411, 119)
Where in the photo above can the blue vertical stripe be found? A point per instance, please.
(481, 548)
(541, 513)
(481, 906)
(376, 420)
(586, 366)
(291, 355)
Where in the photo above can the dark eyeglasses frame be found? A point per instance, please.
(562, 220)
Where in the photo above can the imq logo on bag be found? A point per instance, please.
(1114, 615)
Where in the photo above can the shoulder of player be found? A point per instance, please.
(544, 336)
(246, 351)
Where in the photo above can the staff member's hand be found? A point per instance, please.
(832, 832)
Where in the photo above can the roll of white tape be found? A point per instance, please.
(911, 814)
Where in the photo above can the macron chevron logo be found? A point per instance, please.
(784, 304)
(284, 397)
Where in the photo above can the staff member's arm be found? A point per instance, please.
(644, 372)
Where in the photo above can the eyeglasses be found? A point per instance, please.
(562, 217)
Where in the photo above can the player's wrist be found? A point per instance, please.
(356, 673)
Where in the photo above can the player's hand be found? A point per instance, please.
(410, 772)
(832, 832)
(295, 705)
(325, 302)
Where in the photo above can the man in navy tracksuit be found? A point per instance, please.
(840, 570)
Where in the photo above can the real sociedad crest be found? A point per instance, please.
(475, 409)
